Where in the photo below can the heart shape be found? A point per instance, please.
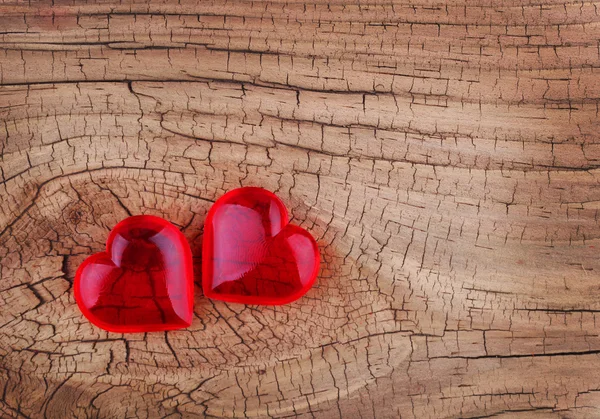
(251, 255)
(143, 282)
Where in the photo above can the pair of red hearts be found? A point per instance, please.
(144, 280)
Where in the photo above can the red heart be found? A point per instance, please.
(251, 255)
(143, 282)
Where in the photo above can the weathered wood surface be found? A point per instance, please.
(445, 155)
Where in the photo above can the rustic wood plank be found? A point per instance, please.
(445, 156)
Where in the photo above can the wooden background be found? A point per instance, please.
(444, 154)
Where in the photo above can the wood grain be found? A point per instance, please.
(444, 154)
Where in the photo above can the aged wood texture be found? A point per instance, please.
(444, 154)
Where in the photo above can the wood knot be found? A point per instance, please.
(76, 213)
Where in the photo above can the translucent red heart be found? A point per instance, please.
(143, 282)
(252, 255)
